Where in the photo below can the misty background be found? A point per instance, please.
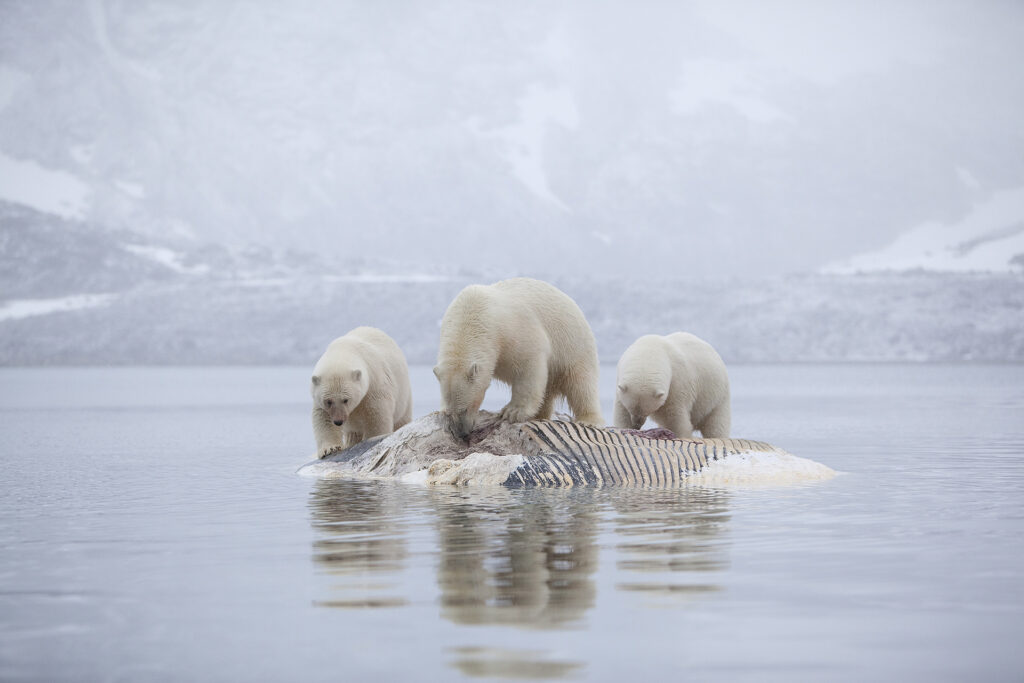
(240, 182)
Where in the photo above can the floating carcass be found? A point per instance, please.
(562, 453)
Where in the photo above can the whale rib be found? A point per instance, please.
(539, 453)
(589, 456)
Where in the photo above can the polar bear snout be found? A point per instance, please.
(338, 411)
(463, 424)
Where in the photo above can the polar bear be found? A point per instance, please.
(360, 389)
(523, 332)
(679, 380)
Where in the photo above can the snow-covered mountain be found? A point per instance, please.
(52, 264)
(240, 181)
(71, 293)
(988, 239)
(682, 138)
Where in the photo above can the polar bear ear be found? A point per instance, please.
(316, 380)
(659, 395)
(437, 371)
(473, 369)
(623, 388)
(357, 375)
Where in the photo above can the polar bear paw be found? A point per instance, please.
(330, 450)
(511, 413)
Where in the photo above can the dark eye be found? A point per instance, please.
(329, 403)
(345, 401)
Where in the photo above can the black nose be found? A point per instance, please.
(339, 422)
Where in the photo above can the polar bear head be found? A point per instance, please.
(640, 401)
(643, 379)
(463, 385)
(339, 392)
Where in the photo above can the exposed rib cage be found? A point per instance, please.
(539, 453)
(572, 454)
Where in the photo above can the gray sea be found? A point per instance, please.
(153, 528)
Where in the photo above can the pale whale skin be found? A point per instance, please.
(542, 453)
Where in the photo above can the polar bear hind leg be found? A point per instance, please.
(718, 423)
(582, 396)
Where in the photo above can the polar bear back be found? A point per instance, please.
(517, 316)
(540, 306)
(699, 372)
(526, 333)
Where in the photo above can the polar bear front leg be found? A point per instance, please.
(352, 437)
(527, 393)
(380, 421)
(328, 437)
(622, 418)
(676, 421)
(547, 407)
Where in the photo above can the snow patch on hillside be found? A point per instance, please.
(132, 189)
(50, 191)
(27, 308)
(165, 257)
(989, 239)
(384, 278)
(705, 82)
(540, 107)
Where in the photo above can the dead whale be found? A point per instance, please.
(560, 453)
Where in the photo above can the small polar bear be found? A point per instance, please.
(360, 389)
(679, 380)
(526, 333)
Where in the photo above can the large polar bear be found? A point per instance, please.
(360, 389)
(679, 380)
(527, 334)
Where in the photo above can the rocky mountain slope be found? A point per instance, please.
(988, 239)
(75, 295)
(676, 137)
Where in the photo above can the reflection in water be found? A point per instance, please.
(673, 539)
(527, 560)
(490, 662)
(361, 540)
(518, 558)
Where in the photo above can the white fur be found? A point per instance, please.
(361, 380)
(527, 334)
(679, 381)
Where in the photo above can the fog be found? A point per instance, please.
(731, 136)
(716, 142)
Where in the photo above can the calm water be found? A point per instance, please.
(152, 527)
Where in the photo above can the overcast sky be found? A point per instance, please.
(707, 136)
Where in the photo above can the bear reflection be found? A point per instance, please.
(673, 539)
(527, 559)
(359, 540)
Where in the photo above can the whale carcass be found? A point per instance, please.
(560, 453)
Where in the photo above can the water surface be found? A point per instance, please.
(152, 527)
